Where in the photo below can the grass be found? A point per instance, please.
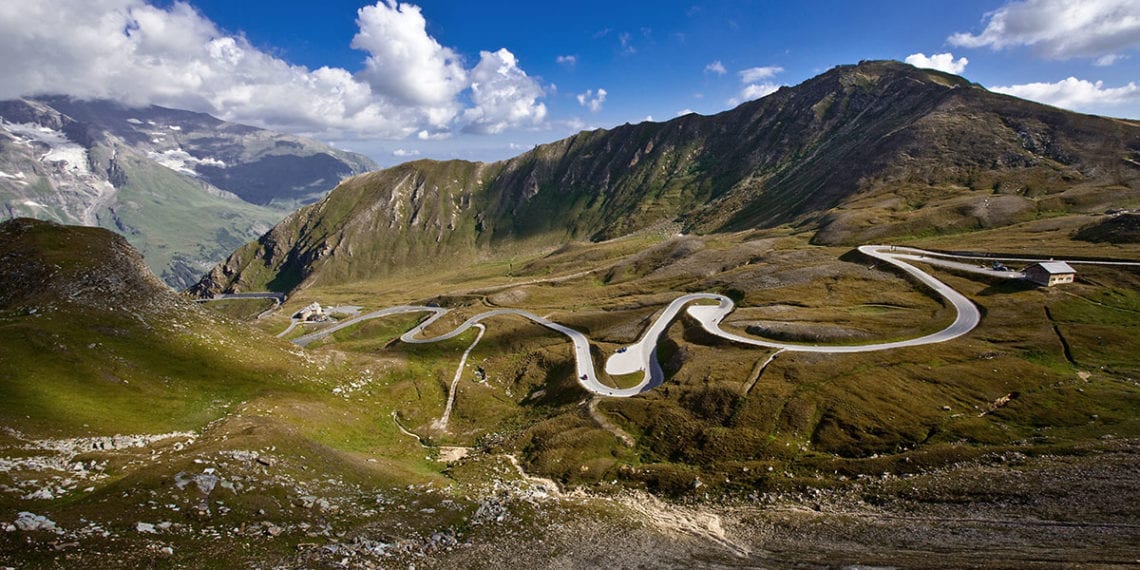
(622, 380)
(848, 407)
(804, 410)
(373, 335)
(115, 376)
(240, 309)
(183, 226)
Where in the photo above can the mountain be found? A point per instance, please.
(140, 429)
(183, 187)
(47, 265)
(869, 152)
(89, 337)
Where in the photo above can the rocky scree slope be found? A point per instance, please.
(185, 188)
(48, 266)
(862, 152)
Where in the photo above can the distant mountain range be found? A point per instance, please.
(862, 153)
(184, 188)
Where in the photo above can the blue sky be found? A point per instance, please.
(485, 80)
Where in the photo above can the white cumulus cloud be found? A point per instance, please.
(754, 91)
(754, 74)
(138, 53)
(716, 67)
(426, 135)
(755, 87)
(592, 100)
(407, 64)
(404, 153)
(940, 61)
(503, 94)
(567, 60)
(1060, 29)
(1075, 94)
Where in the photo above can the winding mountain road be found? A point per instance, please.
(641, 356)
(278, 300)
(279, 297)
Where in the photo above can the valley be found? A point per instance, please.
(185, 188)
(641, 357)
(663, 345)
(802, 490)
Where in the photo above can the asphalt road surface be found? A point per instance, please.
(709, 309)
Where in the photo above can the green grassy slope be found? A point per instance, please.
(1050, 371)
(177, 228)
(876, 151)
(90, 342)
(94, 346)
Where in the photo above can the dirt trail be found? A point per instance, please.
(606, 424)
(441, 423)
(549, 485)
(759, 371)
(404, 431)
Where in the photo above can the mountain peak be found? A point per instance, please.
(862, 152)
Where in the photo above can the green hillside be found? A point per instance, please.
(872, 152)
(155, 431)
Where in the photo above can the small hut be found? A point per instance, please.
(1050, 273)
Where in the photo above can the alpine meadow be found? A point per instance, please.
(886, 315)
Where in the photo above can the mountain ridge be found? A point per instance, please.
(872, 151)
(184, 187)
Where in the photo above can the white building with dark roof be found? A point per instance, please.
(1050, 273)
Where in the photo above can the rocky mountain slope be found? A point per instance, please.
(46, 264)
(183, 187)
(875, 151)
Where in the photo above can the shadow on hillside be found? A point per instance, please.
(1008, 286)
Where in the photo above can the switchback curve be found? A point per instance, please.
(641, 356)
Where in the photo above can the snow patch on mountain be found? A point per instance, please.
(179, 160)
(60, 148)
